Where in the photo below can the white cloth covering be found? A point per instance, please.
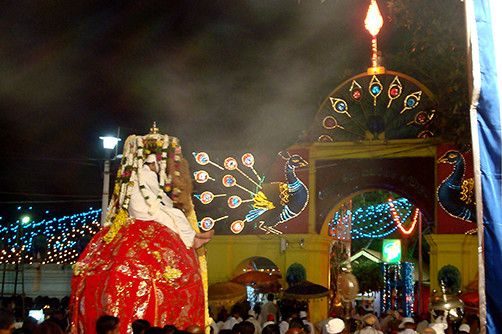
(166, 215)
(231, 322)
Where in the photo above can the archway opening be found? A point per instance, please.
(364, 227)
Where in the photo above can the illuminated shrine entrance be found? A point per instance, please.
(377, 238)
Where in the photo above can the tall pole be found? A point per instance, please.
(109, 144)
(106, 189)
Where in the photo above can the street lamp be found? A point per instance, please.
(109, 144)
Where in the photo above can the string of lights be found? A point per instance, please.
(398, 292)
(408, 288)
(373, 221)
(57, 240)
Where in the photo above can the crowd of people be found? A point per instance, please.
(282, 318)
(271, 317)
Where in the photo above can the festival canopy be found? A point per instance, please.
(306, 290)
(226, 293)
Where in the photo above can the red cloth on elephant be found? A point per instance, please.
(145, 272)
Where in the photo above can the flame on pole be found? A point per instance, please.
(373, 22)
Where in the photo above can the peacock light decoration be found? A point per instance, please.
(454, 194)
(270, 204)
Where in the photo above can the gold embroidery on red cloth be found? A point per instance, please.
(124, 269)
(160, 296)
(157, 255)
(78, 268)
(81, 306)
(142, 287)
(143, 271)
(140, 311)
(106, 300)
(163, 318)
(131, 253)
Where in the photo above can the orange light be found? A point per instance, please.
(373, 21)
(397, 219)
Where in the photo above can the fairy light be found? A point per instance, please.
(408, 291)
(397, 219)
(61, 235)
(373, 221)
(384, 308)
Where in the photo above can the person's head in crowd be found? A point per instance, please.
(107, 324)
(222, 315)
(58, 314)
(48, 327)
(194, 329)
(155, 330)
(428, 330)
(170, 329)
(295, 330)
(369, 320)
(246, 327)
(296, 323)
(335, 326)
(245, 308)
(270, 297)
(270, 320)
(464, 328)
(286, 314)
(236, 328)
(407, 323)
(302, 315)
(6, 321)
(29, 324)
(270, 329)
(139, 326)
(235, 311)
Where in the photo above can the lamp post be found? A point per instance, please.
(109, 144)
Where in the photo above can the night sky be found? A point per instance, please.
(220, 75)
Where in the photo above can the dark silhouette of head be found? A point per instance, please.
(140, 326)
(107, 324)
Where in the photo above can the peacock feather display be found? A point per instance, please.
(248, 198)
(388, 105)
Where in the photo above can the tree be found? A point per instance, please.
(429, 43)
(369, 275)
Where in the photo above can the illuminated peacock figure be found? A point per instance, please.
(271, 204)
(455, 193)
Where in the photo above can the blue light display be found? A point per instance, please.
(53, 240)
(373, 221)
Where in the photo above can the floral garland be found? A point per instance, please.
(136, 149)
